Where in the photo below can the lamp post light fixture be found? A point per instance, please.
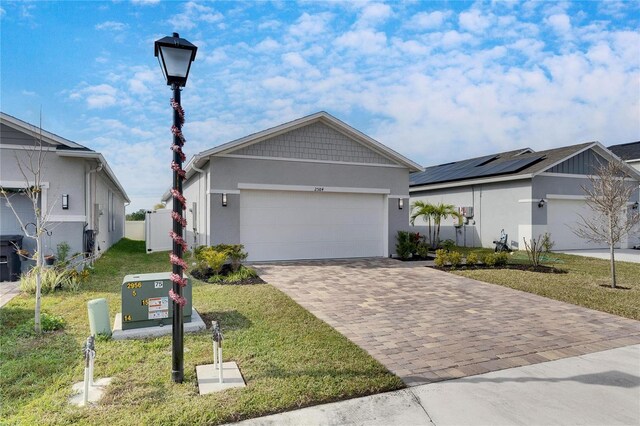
(175, 55)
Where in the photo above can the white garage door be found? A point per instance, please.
(287, 225)
(563, 215)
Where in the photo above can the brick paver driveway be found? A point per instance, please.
(425, 325)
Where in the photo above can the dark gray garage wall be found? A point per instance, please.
(227, 173)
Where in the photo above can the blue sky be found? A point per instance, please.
(436, 81)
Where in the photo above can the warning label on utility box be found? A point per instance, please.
(158, 307)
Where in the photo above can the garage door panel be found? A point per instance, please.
(283, 225)
(563, 217)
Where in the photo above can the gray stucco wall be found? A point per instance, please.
(496, 206)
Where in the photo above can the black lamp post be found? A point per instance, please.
(175, 55)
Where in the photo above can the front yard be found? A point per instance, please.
(586, 282)
(288, 357)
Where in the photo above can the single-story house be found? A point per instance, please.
(629, 152)
(311, 188)
(80, 193)
(524, 192)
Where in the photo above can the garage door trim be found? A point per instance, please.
(308, 188)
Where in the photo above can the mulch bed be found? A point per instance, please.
(541, 268)
(204, 275)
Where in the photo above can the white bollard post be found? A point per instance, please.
(85, 400)
(92, 357)
(220, 364)
(215, 354)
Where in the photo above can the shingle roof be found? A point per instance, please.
(627, 151)
(510, 163)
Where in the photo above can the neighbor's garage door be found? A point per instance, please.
(287, 225)
(563, 215)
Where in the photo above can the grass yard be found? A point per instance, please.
(582, 285)
(288, 357)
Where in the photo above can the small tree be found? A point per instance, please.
(137, 216)
(425, 211)
(608, 196)
(443, 211)
(31, 167)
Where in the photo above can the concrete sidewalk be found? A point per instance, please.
(624, 255)
(594, 389)
(8, 290)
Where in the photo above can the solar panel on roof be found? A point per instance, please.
(475, 168)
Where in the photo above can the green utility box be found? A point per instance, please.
(146, 301)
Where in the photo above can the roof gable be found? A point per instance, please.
(315, 141)
(32, 132)
(340, 135)
(583, 163)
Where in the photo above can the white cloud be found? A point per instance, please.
(310, 25)
(98, 96)
(193, 14)
(560, 23)
(364, 41)
(145, 2)
(281, 84)
(474, 21)
(267, 44)
(428, 20)
(373, 14)
(111, 26)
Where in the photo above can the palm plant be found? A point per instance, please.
(443, 211)
(426, 212)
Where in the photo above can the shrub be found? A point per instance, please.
(472, 259)
(51, 279)
(547, 243)
(243, 273)
(423, 250)
(62, 253)
(404, 245)
(448, 245)
(48, 322)
(534, 250)
(455, 258)
(489, 259)
(235, 252)
(213, 258)
(501, 258)
(442, 257)
(197, 253)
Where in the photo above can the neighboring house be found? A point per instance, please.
(524, 192)
(93, 217)
(629, 152)
(309, 189)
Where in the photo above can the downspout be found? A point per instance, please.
(203, 219)
(87, 197)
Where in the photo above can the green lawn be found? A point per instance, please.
(581, 285)
(289, 358)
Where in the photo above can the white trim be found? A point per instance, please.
(633, 160)
(529, 200)
(565, 197)
(385, 225)
(305, 160)
(20, 184)
(431, 187)
(67, 218)
(35, 131)
(305, 188)
(399, 196)
(26, 147)
(564, 175)
(223, 191)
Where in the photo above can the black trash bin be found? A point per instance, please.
(9, 258)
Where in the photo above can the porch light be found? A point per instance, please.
(224, 199)
(541, 203)
(400, 203)
(634, 206)
(65, 201)
(175, 55)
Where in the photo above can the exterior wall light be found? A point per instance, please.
(634, 206)
(400, 203)
(541, 203)
(224, 199)
(65, 201)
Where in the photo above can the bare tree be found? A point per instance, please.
(31, 167)
(609, 196)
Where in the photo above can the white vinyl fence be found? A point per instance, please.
(134, 230)
(158, 224)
